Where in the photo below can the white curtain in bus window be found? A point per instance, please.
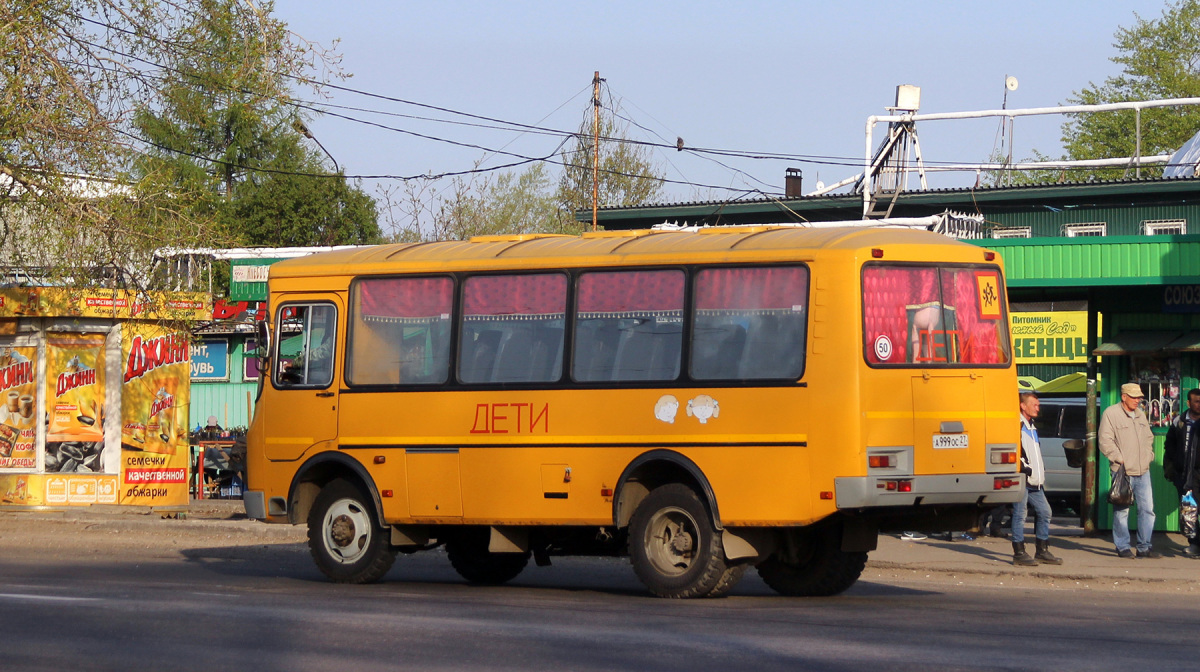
(628, 326)
(923, 315)
(749, 323)
(307, 334)
(400, 331)
(512, 330)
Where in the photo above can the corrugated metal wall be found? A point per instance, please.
(1122, 221)
(1112, 260)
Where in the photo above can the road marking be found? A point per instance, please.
(47, 598)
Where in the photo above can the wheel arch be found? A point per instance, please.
(652, 469)
(320, 470)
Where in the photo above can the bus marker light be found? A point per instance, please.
(380, 459)
(877, 253)
(386, 493)
(826, 494)
(989, 256)
(606, 492)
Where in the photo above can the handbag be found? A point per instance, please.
(1121, 492)
(1187, 515)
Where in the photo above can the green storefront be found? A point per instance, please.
(1129, 250)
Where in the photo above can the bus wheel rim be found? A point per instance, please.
(346, 531)
(671, 541)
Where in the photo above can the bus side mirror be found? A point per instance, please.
(263, 336)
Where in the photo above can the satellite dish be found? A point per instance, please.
(1010, 83)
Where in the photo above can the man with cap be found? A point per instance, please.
(1126, 439)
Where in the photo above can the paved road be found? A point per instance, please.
(167, 603)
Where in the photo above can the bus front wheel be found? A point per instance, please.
(344, 536)
(812, 566)
(674, 548)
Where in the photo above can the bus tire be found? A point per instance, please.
(344, 535)
(470, 557)
(673, 546)
(729, 579)
(823, 569)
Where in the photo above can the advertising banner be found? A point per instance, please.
(1058, 337)
(154, 403)
(75, 388)
(18, 416)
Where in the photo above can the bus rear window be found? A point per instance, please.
(934, 316)
(749, 323)
(400, 331)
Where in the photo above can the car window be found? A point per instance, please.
(1074, 422)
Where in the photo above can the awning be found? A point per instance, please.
(1150, 342)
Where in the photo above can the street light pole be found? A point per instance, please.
(303, 130)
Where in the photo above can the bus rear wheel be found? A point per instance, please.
(344, 535)
(815, 566)
(470, 557)
(674, 548)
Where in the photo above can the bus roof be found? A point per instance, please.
(629, 247)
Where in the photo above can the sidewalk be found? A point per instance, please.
(1084, 558)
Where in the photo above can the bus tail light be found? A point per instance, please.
(1004, 457)
(895, 485)
(881, 461)
(988, 255)
(1002, 483)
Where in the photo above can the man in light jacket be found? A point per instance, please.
(1126, 439)
(1034, 469)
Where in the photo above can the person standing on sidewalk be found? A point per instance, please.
(1126, 439)
(1180, 463)
(1035, 494)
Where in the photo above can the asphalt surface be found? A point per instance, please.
(121, 589)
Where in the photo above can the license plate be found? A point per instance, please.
(951, 441)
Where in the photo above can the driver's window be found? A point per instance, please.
(306, 335)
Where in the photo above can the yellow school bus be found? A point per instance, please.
(702, 400)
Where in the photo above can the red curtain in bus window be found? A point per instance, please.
(409, 298)
(890, 294)
(541, 294)
(979, 337)
(630, 291)
(772, 288)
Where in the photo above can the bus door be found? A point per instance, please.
(303, 409)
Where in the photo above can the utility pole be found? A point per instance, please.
(595, 149)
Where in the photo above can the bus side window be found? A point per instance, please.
(749, 323)
(306, 346)
(400, 331)
(512, 328)
(628, 325)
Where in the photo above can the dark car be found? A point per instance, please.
(1062, 419)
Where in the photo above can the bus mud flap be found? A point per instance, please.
(747, 542)
(859, 535)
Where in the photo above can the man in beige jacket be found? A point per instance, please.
(1126, 439)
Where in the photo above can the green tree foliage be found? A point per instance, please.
(222, 126)
(83, 200)
(1160, 58)
(532, 200)
(627, 175)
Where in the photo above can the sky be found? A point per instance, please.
(798, 78)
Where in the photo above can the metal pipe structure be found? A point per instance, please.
(1138, 106)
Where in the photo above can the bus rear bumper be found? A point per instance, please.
(940, 489)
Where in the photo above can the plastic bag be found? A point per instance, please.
(1121, 492)
(1187, 515)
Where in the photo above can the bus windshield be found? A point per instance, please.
(950, 316)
